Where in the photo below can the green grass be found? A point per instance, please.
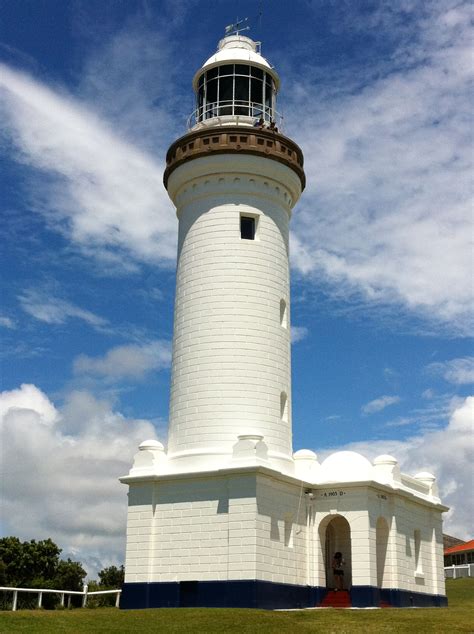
(458, 617)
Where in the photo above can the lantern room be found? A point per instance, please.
(236, 85)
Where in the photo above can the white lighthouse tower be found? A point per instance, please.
(234, 181)
(228, 515)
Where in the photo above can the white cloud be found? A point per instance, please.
(298, 333)
(448, 453)
(53, 310)
(386, 213)
(457, 371)
(127, 361)
(7, 322)
(378, 404)
(103, 192)
(62, 465)
(29, 398)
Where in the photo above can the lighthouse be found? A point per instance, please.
(234, 179)
(227, 514)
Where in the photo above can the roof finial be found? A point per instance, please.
(236, 28)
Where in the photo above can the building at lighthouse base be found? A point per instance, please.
(249, 535)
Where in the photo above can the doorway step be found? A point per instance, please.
(339, 599)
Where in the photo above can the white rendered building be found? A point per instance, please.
(228, 515)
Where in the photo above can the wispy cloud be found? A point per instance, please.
(54, 310)
(457, 371)
(389, 166)
(7, 322)
(102, 192)
(298, 333)
(378, 404)
(131, 361)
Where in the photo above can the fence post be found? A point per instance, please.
(117, 600)
(15, 600)
(69, 600)
(40, 599)
(84, 598)
(62, 599)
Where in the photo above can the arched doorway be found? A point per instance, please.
(382, 532)
(335, 534)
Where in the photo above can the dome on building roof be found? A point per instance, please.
(345, 466)
(426, 476)
(151, 444)
(385, 459)
(305, 454)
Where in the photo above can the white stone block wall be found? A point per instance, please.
(428, 577)
(362, 507)
(282, 535)
(192, 529)
(231, 353)
(217, 528)
(253, 525)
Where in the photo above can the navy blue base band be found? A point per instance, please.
(260, 594)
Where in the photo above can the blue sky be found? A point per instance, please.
(377, 94)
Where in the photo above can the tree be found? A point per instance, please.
(69, 575)
(112, 577)
(37, 565)
(28, 561)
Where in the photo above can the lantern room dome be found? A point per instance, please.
(237, 49)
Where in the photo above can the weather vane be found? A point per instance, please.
(236, 28)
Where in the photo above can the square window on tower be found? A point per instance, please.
(247, 228)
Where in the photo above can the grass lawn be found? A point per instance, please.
(458, 617)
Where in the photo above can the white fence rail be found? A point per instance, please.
(62, 593)
(456, 572)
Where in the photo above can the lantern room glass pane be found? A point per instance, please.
(241, 69)
(211, 91)
(241, 89)
(211, 73)
(225, 89)
(256, 92)
(257, 72)
(227, 69)
(225, 95)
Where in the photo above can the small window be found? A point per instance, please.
(418, 563)
(247, 228)
(284, 407)
(283, 314)
(289, 532)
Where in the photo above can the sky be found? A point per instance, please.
(377, 94)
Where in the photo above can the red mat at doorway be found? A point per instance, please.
(339, 599)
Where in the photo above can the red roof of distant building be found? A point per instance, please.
(460, 548)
